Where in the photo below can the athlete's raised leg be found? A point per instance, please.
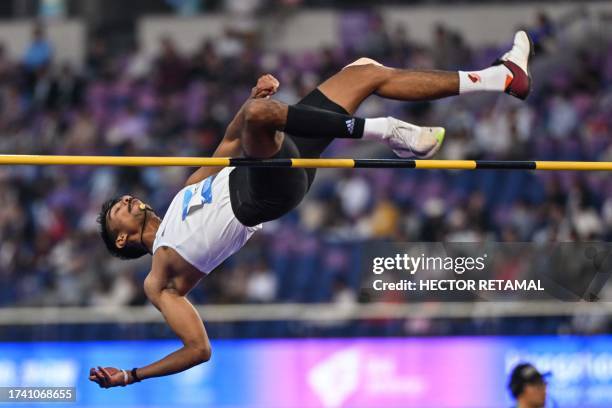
(364, 77)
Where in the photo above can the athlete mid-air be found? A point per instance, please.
(218, 210)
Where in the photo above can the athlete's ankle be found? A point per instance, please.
(495, 78)
(379, 129)
(376, 128)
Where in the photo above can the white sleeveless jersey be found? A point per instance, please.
(200, 224)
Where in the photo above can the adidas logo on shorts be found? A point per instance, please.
(350, 125)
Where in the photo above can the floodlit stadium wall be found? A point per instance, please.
(326, 373)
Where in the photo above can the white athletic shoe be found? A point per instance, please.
(411, 141)
(517, 61)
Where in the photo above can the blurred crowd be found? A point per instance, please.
(174, 104)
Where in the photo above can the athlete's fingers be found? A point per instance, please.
(106, 376)
(271, 90)
(105, 373)
(262, 93)
(267, 81)
(258, 94)
(274, 81)
(100, 379)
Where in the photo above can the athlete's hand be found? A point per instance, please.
(266, 86)
(107, 377)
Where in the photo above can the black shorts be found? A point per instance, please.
(264, 194)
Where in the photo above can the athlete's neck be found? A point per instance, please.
(150, 229)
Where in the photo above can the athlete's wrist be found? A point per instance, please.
(133, 375)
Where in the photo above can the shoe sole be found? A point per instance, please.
(531, 54)
(440, 138)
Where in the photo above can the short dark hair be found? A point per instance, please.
(109, 237)
(522, 374)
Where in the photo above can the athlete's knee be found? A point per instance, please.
(263, 112)
(255, 111)
(364, 62)
(369, 71)
(262, 118)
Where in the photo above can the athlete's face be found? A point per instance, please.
(126, 218)
(534, 395)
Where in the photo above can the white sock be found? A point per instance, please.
(495, 78)
(376, 128)
(379, 129)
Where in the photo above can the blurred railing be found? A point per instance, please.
(325, 312)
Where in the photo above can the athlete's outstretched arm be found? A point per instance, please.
(184, 320)
(231, 145)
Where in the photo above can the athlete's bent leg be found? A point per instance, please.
(264, 120)
(364, 77)
(261, 119)
(263, 194)
(349, 87)
(263, 116)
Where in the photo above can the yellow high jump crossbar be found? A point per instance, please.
(144, 161)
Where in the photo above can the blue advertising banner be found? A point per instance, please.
(458, 372)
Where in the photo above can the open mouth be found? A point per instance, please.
(135, 202)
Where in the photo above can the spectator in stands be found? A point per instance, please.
(170, 68)
(40, 50)
(261, 284)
